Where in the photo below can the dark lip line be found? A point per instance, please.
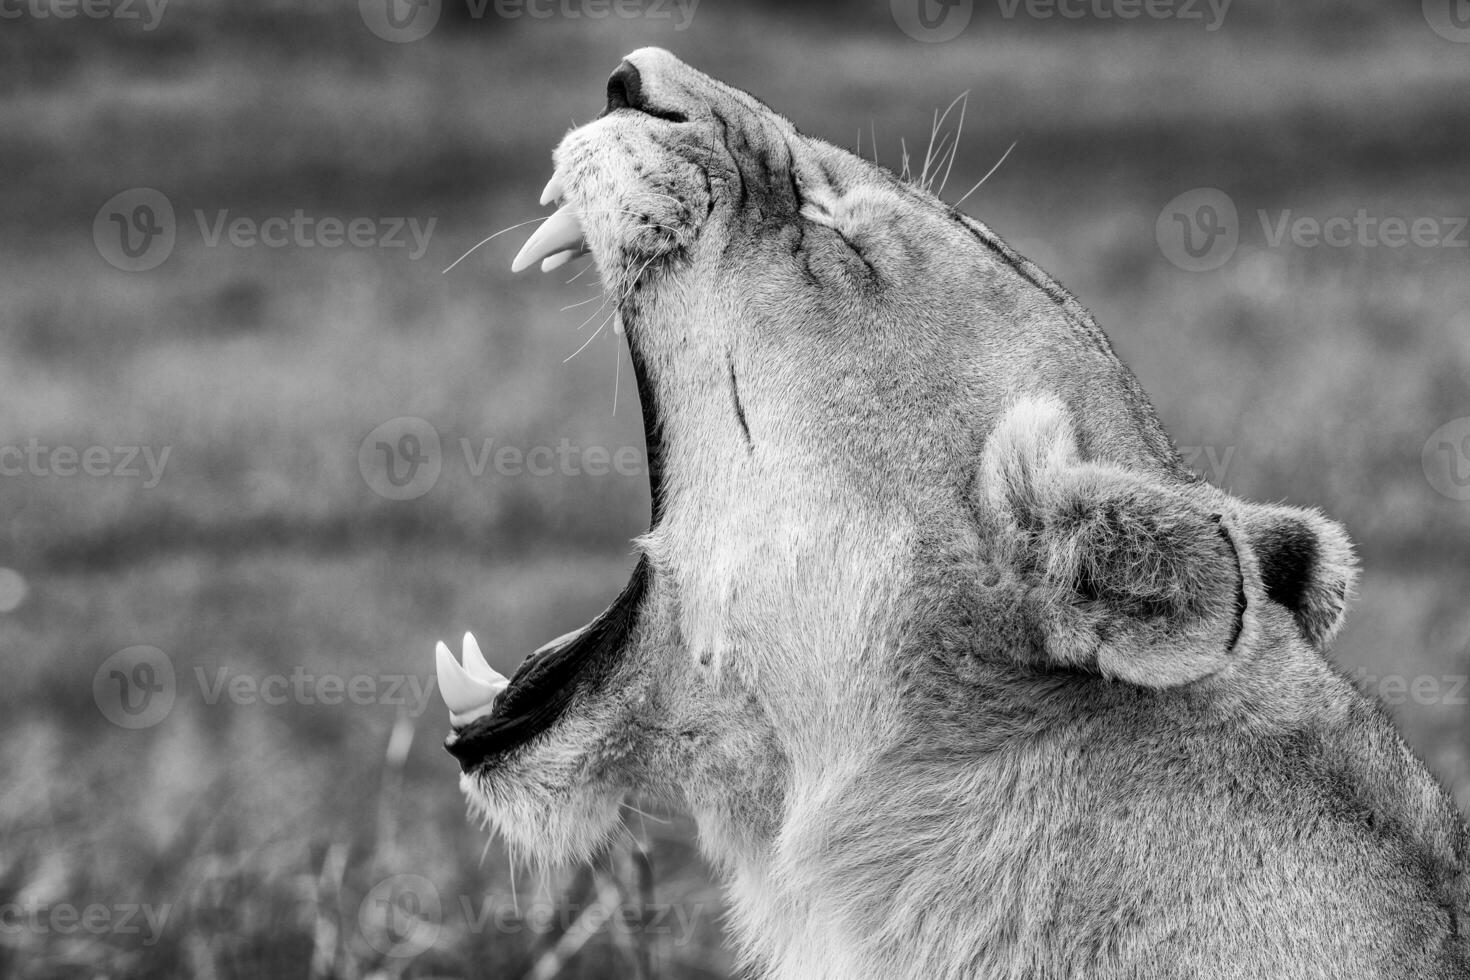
(526, 710)
(587, 658)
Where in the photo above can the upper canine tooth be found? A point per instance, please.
(560, 231)
(477, 666)
(556, 188)
(468, 697)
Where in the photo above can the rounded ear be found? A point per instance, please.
(1125, 575)
(1307, 565)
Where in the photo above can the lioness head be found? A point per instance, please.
(909, 510)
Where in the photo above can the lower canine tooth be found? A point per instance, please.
(561, 258)
(467, 697)
(476, 665)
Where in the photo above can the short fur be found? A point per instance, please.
(960, 672)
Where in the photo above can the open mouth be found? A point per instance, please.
(492, 715)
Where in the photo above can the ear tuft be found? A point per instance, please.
(1307, 565)
(1033, 439)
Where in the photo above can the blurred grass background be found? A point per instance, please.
(1318, 374)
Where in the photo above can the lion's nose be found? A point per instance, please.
(625, 88)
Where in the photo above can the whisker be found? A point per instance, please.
(520, 224)
(933, 131)
(925, 181)
(958, 132)
(934, 156)
(595, 313)
(590, 339)
(617, 375)
(573, 306)
(988, 175)
(578, 211)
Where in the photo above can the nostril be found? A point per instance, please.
(625, 88)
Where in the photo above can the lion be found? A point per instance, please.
(959, 670)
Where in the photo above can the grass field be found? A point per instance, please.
(271, 839)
